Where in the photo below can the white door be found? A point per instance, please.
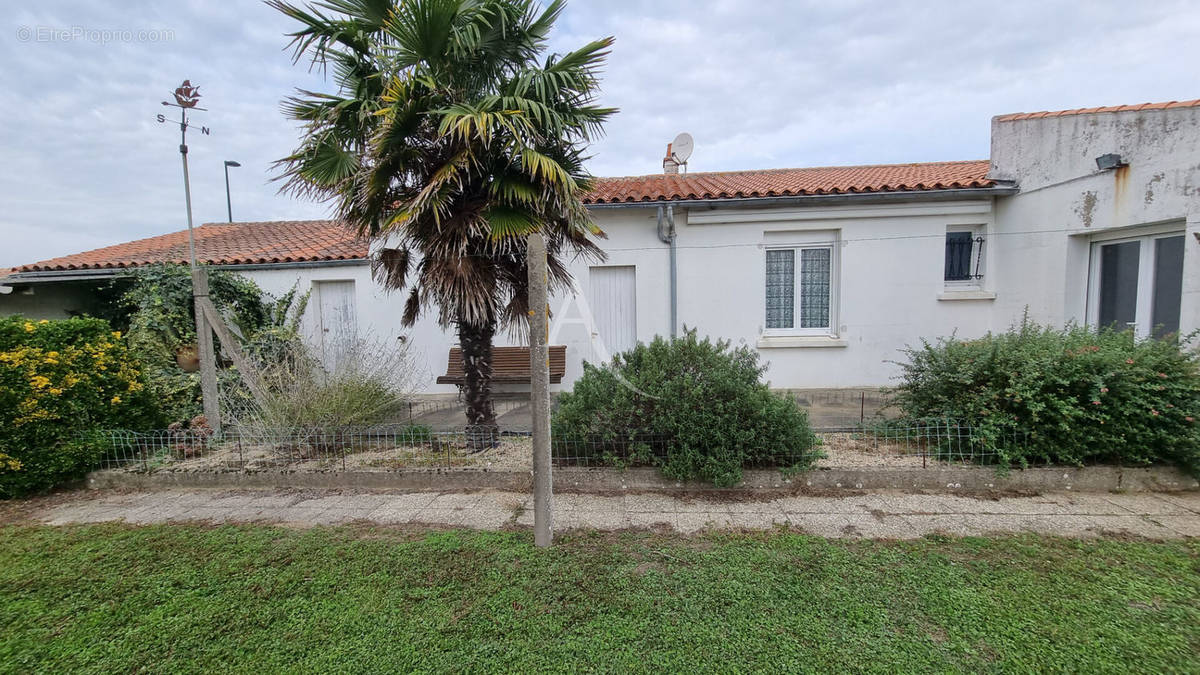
(337, 321)
(612, 294)
(1137, 283)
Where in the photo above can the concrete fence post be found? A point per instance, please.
(206, 351)
(539, 371)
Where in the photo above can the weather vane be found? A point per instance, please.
(186, 98)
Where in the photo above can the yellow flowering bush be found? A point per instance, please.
(58, 378)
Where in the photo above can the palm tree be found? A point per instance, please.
(449, 139)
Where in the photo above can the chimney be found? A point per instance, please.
(669, 163)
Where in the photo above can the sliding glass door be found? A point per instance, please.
(1137, 283)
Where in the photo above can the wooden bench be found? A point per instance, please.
(510, 365)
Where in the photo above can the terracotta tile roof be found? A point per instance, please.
(1104, 109)
(323, 240)
(829, 180)
(224, 244)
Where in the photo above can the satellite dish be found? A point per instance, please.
(682, 146)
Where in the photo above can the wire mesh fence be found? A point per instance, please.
(920, 443)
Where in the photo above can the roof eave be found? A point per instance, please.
(47, 276)
(1001, 189)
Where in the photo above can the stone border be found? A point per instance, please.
(960, 480)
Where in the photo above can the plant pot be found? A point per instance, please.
(187, 358)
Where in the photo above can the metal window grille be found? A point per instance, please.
(964, 256)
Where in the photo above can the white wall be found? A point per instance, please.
(887, 286)
(1045, 232)
(378, 313)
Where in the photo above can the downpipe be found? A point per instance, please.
(667, 236)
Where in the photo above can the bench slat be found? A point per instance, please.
(510, 365)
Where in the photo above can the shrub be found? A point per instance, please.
(368, 384)
(58, 378)
(155, 304)
(1070, 395)
(702, 399)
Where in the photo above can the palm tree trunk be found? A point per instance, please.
(476, 344)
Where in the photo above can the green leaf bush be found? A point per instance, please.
(696, 408)
(58, 379)
(155, 305)
(1073, 395)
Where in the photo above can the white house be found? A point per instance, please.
(1083, 215)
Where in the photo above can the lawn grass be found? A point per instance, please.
(110, 598)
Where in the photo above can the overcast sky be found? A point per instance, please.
(759, 83)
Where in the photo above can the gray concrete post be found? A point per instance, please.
(539, 371)
(204, 346)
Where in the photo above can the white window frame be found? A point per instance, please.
(834, 287)
(1145, 292)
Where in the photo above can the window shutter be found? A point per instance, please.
(958, 256)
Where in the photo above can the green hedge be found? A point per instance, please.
(696, 408)
(1070, 396)
(57, 379)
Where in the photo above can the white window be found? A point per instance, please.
(964, 265)
(1137, 282)
(800, 290)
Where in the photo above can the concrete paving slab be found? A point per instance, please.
(585, 502)
(209, 514)
(408, 500)
(321, 503)
(806, 504)
(361, 502)
(157, 514)
(1188, 526)
(1056, 525)
(601, 520)
(434, 516)
(1031, 506)
(853, 526)
(484, 519)
(455, 500)
(300, 514)
(961, 524)
(233, 500)
(766, 506)
(1094, 503)
(757, 520)
(686, 523)
(667, 520)
(1147, 504)
(274, 501)
(1148, 526)
(336, 517)
(702, 506)
(85, 514)
(1187, 500)
(254, 514)
(391, 514)
(645, 503)
(884, 515)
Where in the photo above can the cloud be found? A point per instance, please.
(759, 84)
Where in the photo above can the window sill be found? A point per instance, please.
(799, 341)
(966, 295)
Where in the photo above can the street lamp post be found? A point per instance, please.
(228, 203)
